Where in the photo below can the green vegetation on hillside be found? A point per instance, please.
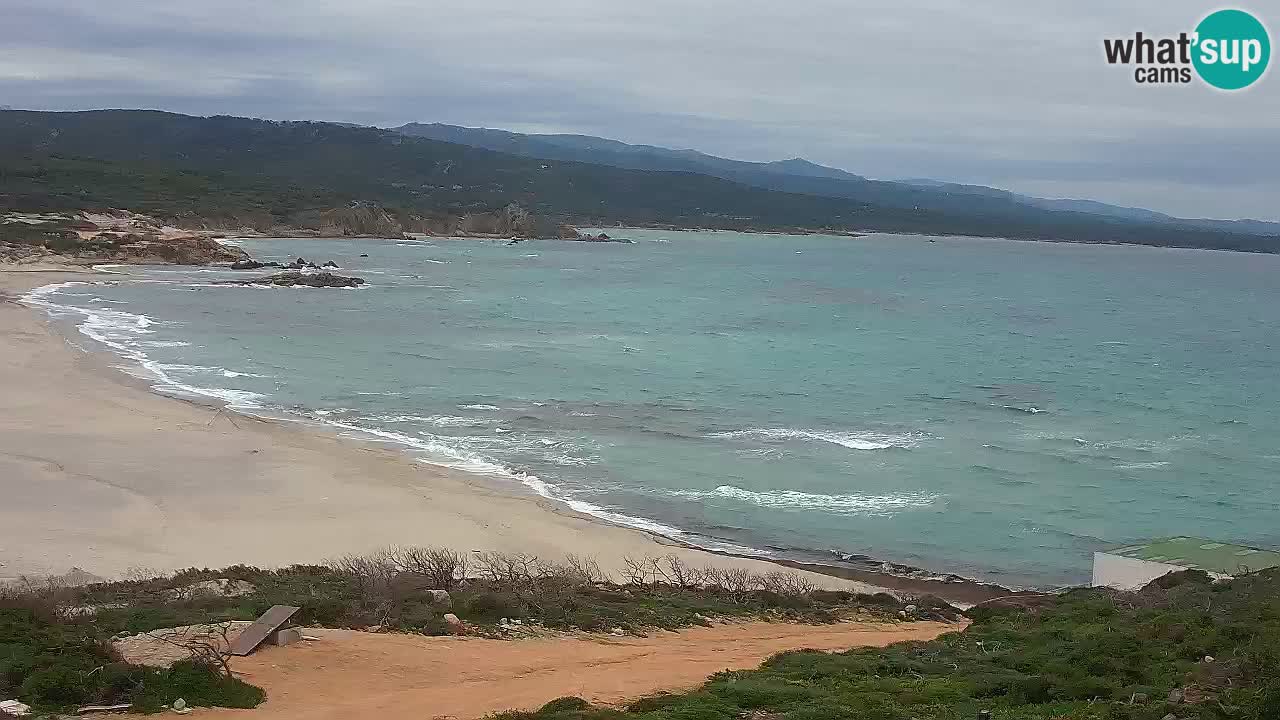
(238, 171)
(55, 664)
(55, 649)
(1182, 647)
(389, 589)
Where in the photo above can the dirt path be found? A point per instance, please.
(349, 674)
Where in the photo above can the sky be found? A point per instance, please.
(1009, 94)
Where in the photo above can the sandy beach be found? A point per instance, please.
(99, 473)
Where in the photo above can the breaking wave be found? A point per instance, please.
(851, 440)
(850, 504)
(127, 333)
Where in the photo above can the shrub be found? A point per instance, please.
(56, 686)
(55, 664)
(441, 567)
(565, 704)
(198, 684)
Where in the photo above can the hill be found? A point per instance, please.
(799, 175)
(240, 171)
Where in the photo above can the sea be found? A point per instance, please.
(987, 408)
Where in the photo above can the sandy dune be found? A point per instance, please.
(348, 674)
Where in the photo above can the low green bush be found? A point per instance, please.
(58, 664)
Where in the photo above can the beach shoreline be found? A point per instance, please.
(85, 448)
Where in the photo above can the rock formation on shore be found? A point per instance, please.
(299, 264)
(115, 236)
(179, 250)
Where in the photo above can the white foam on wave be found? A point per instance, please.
(566, 460)
(479, 407)
(446, 455)
(851, 440)
(1143, 465)
(849, 504)
(768, 453)
(126, 333)
(442, 421)
(181, 368)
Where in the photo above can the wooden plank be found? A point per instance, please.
(103, 708)
(251, 637)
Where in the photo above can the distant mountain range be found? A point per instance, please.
(232, 172)
(794, 175)
(602, 151)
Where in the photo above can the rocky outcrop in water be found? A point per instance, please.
(305, 279)
(252, 265)
(569, 232)
(602, 238)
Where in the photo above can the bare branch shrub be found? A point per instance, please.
(638, 571)
(574, 571)
(737, 581)
(674, 571)
(512, 571)
(207, 644)
(441, 567)
(585, 569)
(373, 576)
(372, 573)
(786, 583)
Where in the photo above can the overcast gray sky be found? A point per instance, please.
(1011, 94)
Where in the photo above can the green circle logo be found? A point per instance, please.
(1232, 49)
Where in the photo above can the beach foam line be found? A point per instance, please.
(851, 440)
(124, 332)
(442, 421)
(446, 455)
(849, 504)
(120, 331)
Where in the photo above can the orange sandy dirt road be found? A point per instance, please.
(348, 674)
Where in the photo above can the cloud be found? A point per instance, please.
(1009, 94)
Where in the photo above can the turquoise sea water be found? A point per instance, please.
(992, 408)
